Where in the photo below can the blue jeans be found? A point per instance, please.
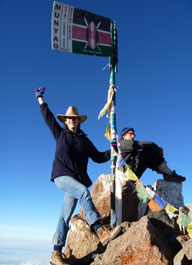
(74, 191)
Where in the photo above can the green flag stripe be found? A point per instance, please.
(82, 48)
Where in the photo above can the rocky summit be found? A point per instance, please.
(152, 239)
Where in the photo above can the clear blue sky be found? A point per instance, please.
(153, 95)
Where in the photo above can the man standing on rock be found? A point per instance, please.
(142, 155)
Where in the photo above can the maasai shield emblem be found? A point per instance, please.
(78, 31)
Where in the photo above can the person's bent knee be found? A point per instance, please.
(85, 194)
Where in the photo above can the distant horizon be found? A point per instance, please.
(16, 256)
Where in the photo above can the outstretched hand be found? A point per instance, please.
(39, 92)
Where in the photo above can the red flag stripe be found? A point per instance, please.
(104, 38)
(79, 33)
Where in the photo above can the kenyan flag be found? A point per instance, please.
(78, 31)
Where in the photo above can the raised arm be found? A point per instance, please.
(41, 100)
(47, 114)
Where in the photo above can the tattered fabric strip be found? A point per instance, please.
(184, 220)
(170, 209)
(108, 132)
(150, 192)
(160, 201)
(141, 191)
(189, 229)
(130, 174)
(111, 92)
(153, 206)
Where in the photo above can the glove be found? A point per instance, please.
(39, 92)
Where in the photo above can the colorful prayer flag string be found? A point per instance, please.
(156, 202)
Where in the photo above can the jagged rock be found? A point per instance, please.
(181, 259)
(159, 218)
(100, 194)
(184, 256)
(187, 248)
(130, 203)
(189, 206)
(139, 244)
(166, 229)
(182, 239)
(82, 242)
(151, 240)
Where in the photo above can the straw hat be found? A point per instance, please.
(71, 112)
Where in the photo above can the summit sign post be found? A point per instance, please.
(78, 31)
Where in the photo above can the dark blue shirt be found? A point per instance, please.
(72, 150)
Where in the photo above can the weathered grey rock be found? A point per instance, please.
(170, 192)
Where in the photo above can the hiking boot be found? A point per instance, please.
(57, 258)
(174, 177)
(105, 235)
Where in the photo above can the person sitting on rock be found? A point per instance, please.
(142, 155)
(69, 173)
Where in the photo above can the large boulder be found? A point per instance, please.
(151, 240)
(82, 242)
(186, 243)
(100, 194)
(139, 244)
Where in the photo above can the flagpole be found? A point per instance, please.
(113, 69)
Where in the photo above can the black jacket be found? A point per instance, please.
(130, 149)
(72, 150)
